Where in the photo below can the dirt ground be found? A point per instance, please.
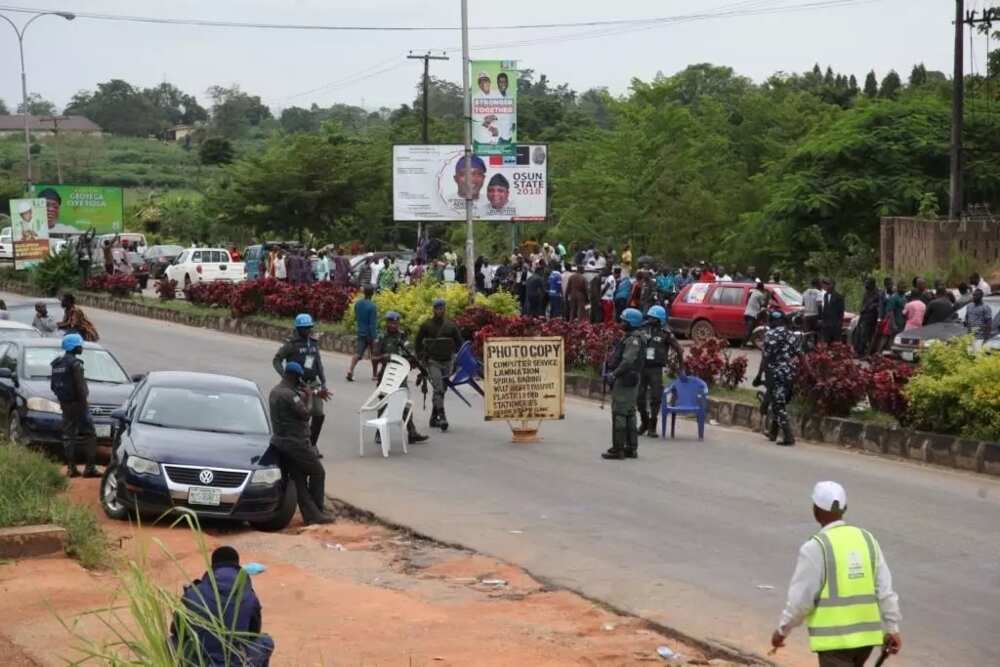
(351, 593)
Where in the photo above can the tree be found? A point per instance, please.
(37, 106)
(891, 85)
(852, 86)
(234, 112)
(871, 85)
(297, 119)
(4, 111)
(216, 150)
(119, 108)
(175, 106)
(918, 76)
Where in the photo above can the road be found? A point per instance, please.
(692, 535)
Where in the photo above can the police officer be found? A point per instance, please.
(779, 367)
(70, 387)
(623, 372)
(659, 341)
(303, 348)
(437, 342)
(393, 341)
(289, 403)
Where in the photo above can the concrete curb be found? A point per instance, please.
(32, 541)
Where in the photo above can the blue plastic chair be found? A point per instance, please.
(468, 369)
(692, 399)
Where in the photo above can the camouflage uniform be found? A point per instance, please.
(781, 360)
(626, 366)
(659, 341)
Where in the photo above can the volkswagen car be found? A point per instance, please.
(201, 442)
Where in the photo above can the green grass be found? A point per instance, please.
(30, 485)
(740, 394)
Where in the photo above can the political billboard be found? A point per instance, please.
(74, 209)
(494, 106)
(428, 184)
(29, 232)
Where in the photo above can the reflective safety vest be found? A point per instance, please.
(846, 614)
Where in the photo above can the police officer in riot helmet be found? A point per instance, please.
(659, 342)
(303, 348)
(438, 340)
(780, 366)
(624, 371)
(393, 341)
(70, 387)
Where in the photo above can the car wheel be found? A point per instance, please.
(283, 516)
(15, 430)
(110, 502)
(702, 330)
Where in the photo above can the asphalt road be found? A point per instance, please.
(692, 535)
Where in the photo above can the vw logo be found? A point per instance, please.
(206, 476)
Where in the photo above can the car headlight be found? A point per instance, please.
(43, 405)
(266, 476)
(143, 466)
(898, 340)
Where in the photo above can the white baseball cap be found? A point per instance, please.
(24, 207)
(825, 494)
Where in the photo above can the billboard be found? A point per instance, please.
(523, 378)
(74, 209)
(426, 182)
(494, 106)
(29, 232)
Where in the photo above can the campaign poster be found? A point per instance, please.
(75, 209)
(428, 184)
(29, 232)
(494, 106)
(523, 378)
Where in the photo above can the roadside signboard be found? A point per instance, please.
(494, 106)
(29, 232)
(427, 180)
(524, 378)
(75, 209)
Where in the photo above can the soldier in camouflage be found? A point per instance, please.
(623, 372)
(659, 342)
(779, 367)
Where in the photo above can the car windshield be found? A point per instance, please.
(789, 295)
(18, 334)
(167, 250)
(204, 410)
(98, 365)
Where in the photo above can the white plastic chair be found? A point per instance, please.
(395, 374)
(391, 419)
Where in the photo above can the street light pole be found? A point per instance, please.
(470, 244)
(24, 83)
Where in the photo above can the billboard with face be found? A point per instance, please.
(29, 232)
(429, 183)
(74, 209)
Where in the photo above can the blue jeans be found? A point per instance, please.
(555, 305)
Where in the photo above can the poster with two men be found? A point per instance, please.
(29, 232)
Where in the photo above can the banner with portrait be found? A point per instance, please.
(29, 232)
(75, 209)
(428, 184)
(494, 106)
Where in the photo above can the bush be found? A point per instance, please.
(887, 379)
(56, 272)
(413, 302)
(210, 294)
(586, 345)
(734, 370)
(324, 301)
(705, 360)
(830, 381)
(166, 289)
(116, 284)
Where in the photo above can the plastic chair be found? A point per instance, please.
(468, 369)
(391, 420)
(692, 399)
(395, 374)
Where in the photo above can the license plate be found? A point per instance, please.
(103, 430)
(907, 356)
(200, 495)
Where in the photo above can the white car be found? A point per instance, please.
(205, 265)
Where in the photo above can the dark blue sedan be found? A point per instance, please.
(201, 442)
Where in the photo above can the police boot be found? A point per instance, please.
(614, 454)
(91, 471)
(72, 470)
(643, 421)
(787, 438)
(435, 417)
(443, 421)
(772, 432)
(412, 435)
(651, 429)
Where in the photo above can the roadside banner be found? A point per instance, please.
(494, 106)
(524, 379)
(75, 209)
(29, 232)
(428, 184)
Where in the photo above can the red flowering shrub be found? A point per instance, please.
(734, 370)
(474, 318)
(705, 360)
(166, 289)
(117, 284)
(209, 294)
(598, 341)
(831, 381)
(585, 344)
(324, 301)
(886, 380)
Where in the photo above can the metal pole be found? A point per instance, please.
(957, 111)
(470, 244)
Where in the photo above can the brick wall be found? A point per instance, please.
(915, 245)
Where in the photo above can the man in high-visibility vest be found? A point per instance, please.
(842, 589)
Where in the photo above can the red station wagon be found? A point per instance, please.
(715, 310)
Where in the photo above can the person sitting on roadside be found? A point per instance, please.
(43, 321)
(222, 622)
(75, 321)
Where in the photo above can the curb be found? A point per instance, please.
(32, 541)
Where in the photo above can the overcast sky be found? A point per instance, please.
(282, 65)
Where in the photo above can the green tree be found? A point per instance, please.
(297, 119)
(216, 150)
(175, 106)
(871, 85)
(4, 111)
(37, 106)
(918, 76)
(891, 85)
(119, 108)
(234, 112)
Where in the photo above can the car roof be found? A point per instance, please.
(12, 324)
(194, 380)
(54, 342)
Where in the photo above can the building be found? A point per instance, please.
(46, 125)
(920, 245)
(179, 133)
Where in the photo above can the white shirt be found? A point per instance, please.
(600, 263)
(985, 286)
(280, 271)
(807, 581)
(610, 284)
(376, 269)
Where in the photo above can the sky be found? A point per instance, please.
(289, 68)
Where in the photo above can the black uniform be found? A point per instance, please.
(290, 422)
(70, 387)
(394, 342)
(659, 342)
(305, 351)
(437, 342)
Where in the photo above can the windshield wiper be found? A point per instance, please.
(160, 424)
(103, 381)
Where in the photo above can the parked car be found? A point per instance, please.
(13, 330)
(254, 256)
(29, 407)
(140, 268)
(715, 310)
(201, 442)
(907, 345)
(135, 239)
(205, 265)
(159, 257)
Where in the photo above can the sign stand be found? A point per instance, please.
(524, 383)
(526, 433)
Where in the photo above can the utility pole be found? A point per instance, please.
(55, 130)
(957, 111)
(425, 134)
(470, 244)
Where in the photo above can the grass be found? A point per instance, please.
(739, 395)
(30, 485)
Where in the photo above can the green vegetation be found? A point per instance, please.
(29, 488)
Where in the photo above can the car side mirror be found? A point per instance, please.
(138, 377)
(8, 374)
(119, 415)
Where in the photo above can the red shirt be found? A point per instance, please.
(706, 277)
(234, 255)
